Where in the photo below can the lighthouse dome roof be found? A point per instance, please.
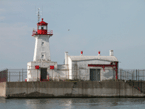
(42, 23)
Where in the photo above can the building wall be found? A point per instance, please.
(41, 49)
(34, 74)
(61, 73)
(74, 70)
(80, 70)
(70, 68)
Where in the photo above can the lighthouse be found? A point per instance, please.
(93, 68)
(41, 67)
(42, 35)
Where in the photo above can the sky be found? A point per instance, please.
(94, 25)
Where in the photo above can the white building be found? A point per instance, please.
(94, 68)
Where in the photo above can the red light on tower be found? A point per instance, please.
(42, 29)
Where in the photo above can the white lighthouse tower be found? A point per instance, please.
(41, 51)
(41, 66)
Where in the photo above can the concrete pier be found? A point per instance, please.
(3, 89)
(68, 89)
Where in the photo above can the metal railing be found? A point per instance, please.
(133, 74)
(34, 32)
(49, 31)
(12, 75)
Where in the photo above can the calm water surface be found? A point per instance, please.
(73, 103)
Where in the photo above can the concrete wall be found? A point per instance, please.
(2, 89)
(72, 89)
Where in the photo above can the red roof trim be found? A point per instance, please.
(42, 23)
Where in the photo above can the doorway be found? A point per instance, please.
(95, 74)
(43, 74)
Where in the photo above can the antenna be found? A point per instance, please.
(42, 11)
(38, 14)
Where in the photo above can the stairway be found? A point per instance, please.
(139, 85)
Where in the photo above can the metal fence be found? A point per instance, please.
(16, 75)
(12, 75)
(134, 75)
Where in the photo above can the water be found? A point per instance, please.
(73, 103)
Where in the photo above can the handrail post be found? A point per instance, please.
(22, 75)
(19, 75)
(136, 74)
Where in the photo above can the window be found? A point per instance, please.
(42, 56)
(45, 27)
(39, 27)
(42, 43)
(42, 27)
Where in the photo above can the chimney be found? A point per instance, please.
(111, 52)
(99, 53)
(81, 53)
(66, 57)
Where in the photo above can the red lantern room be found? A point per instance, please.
(42, 29)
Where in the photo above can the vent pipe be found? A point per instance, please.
(111, 53)
(66, 57)
(81, 53)
(99, 53)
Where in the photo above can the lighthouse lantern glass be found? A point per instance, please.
(42, 27)
(39, 27)
(45, 27)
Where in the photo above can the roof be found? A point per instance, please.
(86, 58)
(42, 23)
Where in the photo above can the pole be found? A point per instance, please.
(132, 75)
(19, 75)
(125, 76)
(136, 74)
(37, 75)
(9, 76)
(141, 86)
(2, 76)
(79, 74)
(143, 75)
(120, 74)
(22, 74)
(52, 74)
